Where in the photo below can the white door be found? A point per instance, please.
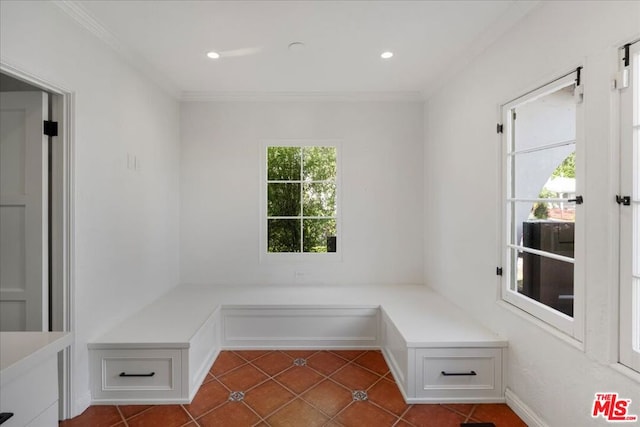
(23, 212)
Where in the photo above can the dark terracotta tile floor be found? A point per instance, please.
(299, 389)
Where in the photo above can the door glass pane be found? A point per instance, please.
(636, 163)
(557, 110)
(548, 281)
(557, 217)
(635, 292)
(548, 173)
(635, 261)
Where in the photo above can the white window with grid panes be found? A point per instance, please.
(629, 201)
(301, 186)
(542, 224)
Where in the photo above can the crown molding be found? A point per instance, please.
(203, 96)
(80, 15)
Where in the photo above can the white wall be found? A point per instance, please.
(382, 187)
(126, 229)
(555, 379)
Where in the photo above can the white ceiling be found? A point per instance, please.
(344, 39)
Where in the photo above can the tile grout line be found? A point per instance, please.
(384, 409)
(455, 411)
(409, 406)
(340, 412)
(329, 417)
(405, 413)
(208, 411)
(189, 414)
(260, 419)
(473, 409)
(126, 424)
(229, 371)
(138, 414)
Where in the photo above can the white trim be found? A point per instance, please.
(33, 79)
(521, 409)
(533, 95)
(553, 318)
(76, 11)
(555, 332)
(64, 109)
(626, 371)
(204, 96)
(544, 254)
(543, 147)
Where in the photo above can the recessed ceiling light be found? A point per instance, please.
(213, 55)
(386, 55)
(296, 46)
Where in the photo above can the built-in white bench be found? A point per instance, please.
(435, 351)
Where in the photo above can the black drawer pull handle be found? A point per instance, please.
(124, 374)
(459, 374)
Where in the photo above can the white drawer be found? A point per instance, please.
(459, 372)
(30, 394)
(137, 373)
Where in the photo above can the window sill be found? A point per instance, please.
(626, 371)
(562, 336)
(296, 258)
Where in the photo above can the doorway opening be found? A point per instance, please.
(36, 212)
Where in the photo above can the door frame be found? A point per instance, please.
(62, 220)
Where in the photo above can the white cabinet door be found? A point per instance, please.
(23, 212)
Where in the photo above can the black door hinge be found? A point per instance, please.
(578, 77)
(4, 416)
(623, 200)
(500, 128)
(627, 57)
(498, 271)
(50, 128)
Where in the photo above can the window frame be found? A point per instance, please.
(629, 316)
(265, 255)
(573, 327)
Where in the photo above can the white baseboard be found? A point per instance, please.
(81, 404)
(523, 410)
